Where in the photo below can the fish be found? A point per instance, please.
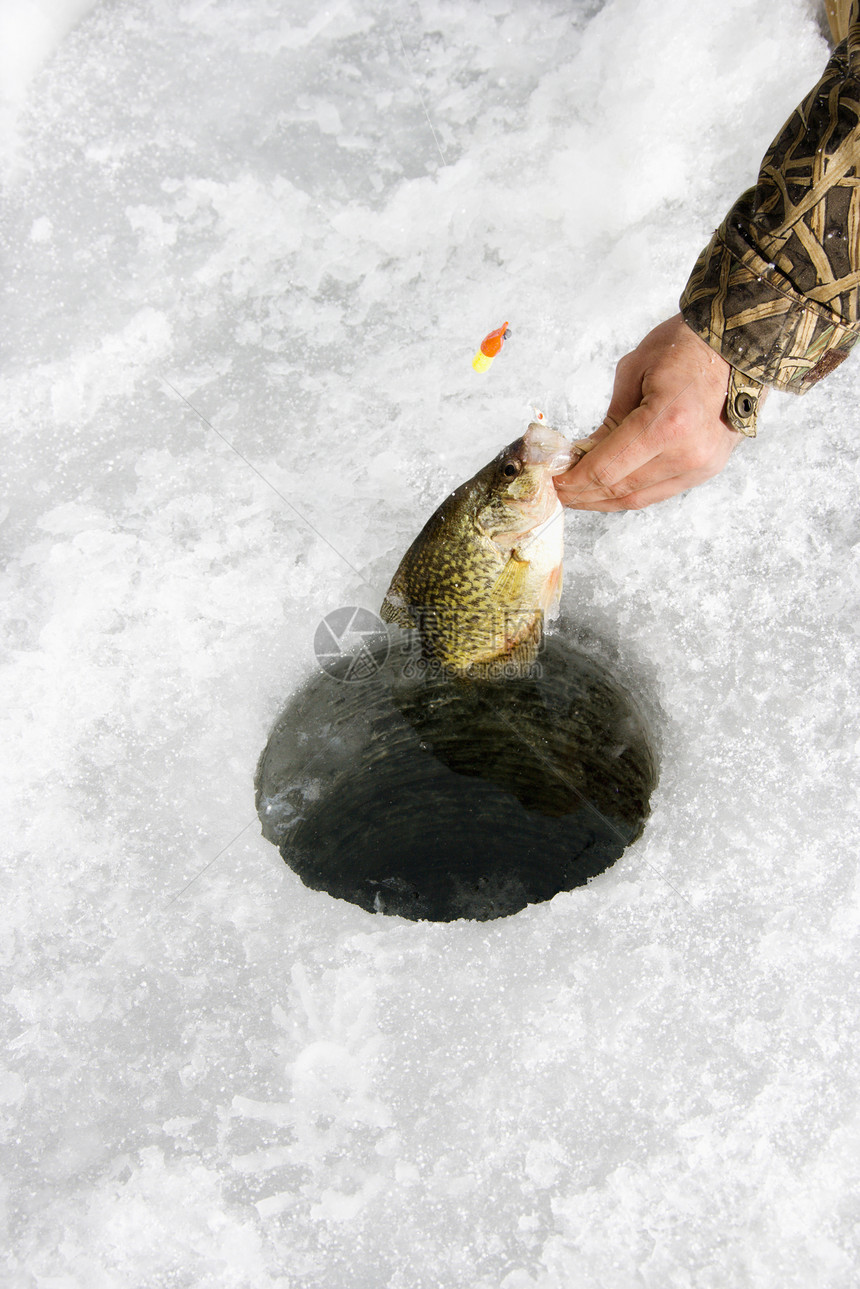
(485, 572)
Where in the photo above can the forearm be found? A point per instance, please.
(777, 290)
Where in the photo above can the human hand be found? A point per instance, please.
(666, 428)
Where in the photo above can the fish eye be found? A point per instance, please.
(511, 469)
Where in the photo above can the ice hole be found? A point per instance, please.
(420, 794)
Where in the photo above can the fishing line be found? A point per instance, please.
(312, 527)
(269, 484)
(222, 851)
(416, 86)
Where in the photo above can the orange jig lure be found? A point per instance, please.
(490, 346)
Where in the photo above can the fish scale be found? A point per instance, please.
(485, 571)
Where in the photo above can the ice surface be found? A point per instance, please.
(302, 220)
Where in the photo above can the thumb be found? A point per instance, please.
(607, 425)
(626, 395)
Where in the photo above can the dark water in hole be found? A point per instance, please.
(431, 797)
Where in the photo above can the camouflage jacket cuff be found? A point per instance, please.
(743, 307)
(777, 290)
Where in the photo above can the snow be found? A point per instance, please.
(251, 251)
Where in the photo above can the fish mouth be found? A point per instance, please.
(532, 501)
(544, 446)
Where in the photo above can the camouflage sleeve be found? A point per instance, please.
(777, 289)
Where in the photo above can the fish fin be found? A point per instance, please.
(511, 582)
(550, 596)
(395, 606)
(396, 610)
(524, 653)
(515, 661)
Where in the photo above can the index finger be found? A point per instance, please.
(605, 473)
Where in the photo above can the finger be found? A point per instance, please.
(626, 388)
(642, 497)
(679, 469)
(626, 395)
(607, 425)
(579, 447)
(602, 474)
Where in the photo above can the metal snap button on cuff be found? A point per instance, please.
(742, 403)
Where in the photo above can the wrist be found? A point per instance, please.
(743, 393)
